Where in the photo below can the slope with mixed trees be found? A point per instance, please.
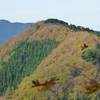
(49, 57)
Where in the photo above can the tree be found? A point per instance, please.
(8, 92)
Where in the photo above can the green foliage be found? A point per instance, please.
(27, 56)
(96, 33)
(8, 92)
(89, 55)
(26, 96)
(74, 96)
(56, 21)
(60, 94)
(71, 26)
(37, 26)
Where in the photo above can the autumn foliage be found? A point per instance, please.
(92, 87)
(65, 62)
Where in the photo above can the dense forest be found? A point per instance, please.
(23, 61)
(92, 55)
(71, 26)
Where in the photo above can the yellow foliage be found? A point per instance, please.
(44, 88)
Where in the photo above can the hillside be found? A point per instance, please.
(9, 30)
(46, 50)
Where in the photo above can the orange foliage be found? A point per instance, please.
(92, 87)
(44, 88)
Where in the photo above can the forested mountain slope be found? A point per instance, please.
(48, 49)
(60, 64)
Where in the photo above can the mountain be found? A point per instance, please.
(50, 60)
(9, 30)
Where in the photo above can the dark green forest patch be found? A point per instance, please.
(27, 56)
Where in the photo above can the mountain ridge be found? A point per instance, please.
(58, 63)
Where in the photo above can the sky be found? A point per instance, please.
(84, 13)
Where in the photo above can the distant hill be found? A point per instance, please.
(9, 30)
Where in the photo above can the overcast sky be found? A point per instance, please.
(79, 12)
